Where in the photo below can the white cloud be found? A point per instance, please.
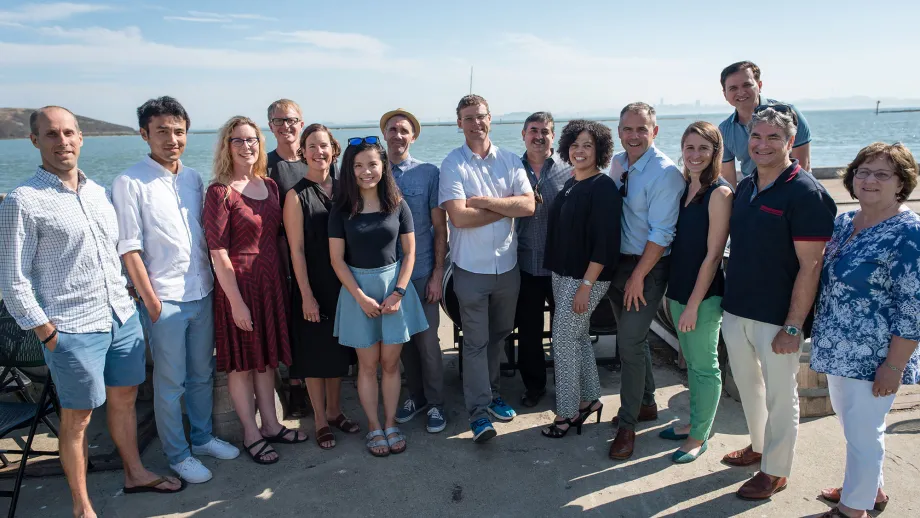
(328, 40)
(32, 13)
(208, 17)
(95, 35)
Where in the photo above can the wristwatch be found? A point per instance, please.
(587, 283)
(792, 330)
(399, 291)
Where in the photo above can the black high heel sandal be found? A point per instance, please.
(297, 401)
(554, 432)
(585, 413)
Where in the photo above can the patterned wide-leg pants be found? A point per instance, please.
(573, 353)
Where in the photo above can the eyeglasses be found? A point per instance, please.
(781, 108)
(478, 118)
(356, 141)
(882, 176)
(624, 179)
(248, 142)
(278, 121)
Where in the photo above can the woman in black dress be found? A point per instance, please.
(316, 354)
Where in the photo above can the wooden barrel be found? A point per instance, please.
(814, 398)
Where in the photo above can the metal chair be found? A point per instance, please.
(21, 349)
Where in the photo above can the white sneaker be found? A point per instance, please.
(192, 470)
(217, 448)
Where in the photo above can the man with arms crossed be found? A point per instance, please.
(781, 219)
(158, 202)
(60, 275)
(741, 87)
(418, 182)
(483, 188)
(546, 173)
(651, 186)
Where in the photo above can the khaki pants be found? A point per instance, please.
(769, 392)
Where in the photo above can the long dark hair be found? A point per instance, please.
(711, 134)
(348, 198)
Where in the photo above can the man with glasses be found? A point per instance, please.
(285, 166)
(781, 219)
(651, 186)
(483, 188)
(418, 182)
(546, 173)
(158, 202)
(741, 87)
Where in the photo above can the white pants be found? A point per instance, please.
(862, 417)
(768, 389)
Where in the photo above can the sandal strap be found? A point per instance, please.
(324, 432)
(261, 453)
(394, 429)
(374, 433)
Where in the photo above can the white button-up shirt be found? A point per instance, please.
(159, 213)
(58, 261)
(492, 248)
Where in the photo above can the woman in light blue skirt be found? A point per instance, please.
(378, 308)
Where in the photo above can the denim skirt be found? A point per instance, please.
(354, 329)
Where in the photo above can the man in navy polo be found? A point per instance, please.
(741, 86)
(781, 219)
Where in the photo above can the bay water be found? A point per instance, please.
(836, 138)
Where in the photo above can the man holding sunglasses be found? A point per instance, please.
(418, 182)
(741, 87)
(547, 174)
(483, 188)
(285, 167)
(651, 186)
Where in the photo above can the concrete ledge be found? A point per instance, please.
(826, 173)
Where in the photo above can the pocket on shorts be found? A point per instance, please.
(57, 346)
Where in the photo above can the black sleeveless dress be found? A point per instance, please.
(314, 351)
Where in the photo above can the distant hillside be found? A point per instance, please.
(14, 123)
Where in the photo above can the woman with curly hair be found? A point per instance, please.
(582, 249)
(867, 324)
(242, 220)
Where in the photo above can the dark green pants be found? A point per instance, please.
(637, 385)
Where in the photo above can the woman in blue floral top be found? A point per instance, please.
(868, 319)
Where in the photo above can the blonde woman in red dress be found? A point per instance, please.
(242, 220)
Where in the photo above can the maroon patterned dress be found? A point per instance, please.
(248, 229)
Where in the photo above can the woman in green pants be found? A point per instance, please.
(696, 282)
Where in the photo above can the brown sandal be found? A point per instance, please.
(345, 424)
(324, 434)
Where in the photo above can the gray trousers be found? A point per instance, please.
(421, 355)
(637, 385)
(487, 304)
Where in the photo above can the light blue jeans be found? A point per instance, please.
(182, 343)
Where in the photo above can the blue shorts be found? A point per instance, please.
(83, 364)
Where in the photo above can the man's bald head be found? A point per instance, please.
(42, 114)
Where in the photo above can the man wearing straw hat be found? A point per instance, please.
(418, 182)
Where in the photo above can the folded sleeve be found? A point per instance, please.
(125, 198)
(405, 218)
(519, 182)
(606, 210)
(217, 217)
(727, 154)
(433, 186)
(18, 243)
(664, 206)
(803, 131)
(812, 216)
(450, 182)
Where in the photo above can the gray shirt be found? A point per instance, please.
(418, 182)
(531, 230)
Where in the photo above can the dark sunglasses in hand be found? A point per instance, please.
(781, 108)
(356, 141)
(624, 179)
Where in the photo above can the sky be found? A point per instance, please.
(349, 62)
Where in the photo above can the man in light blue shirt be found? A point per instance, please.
(418, 182)
(741, 87)
(483, 188)
(651, 186)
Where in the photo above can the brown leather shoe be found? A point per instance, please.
(761, 487)
(646, 413)
(744, 457)
(622, 447)
(832, 494)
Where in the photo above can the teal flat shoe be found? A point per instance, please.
(669, 434)
(682, 457)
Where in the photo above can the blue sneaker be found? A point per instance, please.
(482, 430)
(501, 411)
(436, 421)
(408, 411)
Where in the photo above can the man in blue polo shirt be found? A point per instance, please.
(741, 86)
(781, 219)
(651, 186)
